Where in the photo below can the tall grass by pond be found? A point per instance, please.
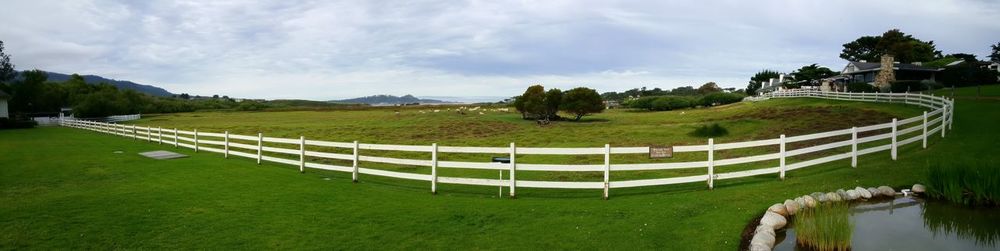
(826, 227)
(968, 182)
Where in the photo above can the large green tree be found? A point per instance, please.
(812, 72)
(995, 54)
(7, 72)
(904, 48)
(710, 87)
(553, 98)
(582, 101)
(532, 103)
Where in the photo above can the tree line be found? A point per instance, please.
(905, 49)
(537, 104)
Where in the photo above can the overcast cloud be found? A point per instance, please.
(327, 49)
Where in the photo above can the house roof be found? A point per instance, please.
(868, 66)
(4, 95)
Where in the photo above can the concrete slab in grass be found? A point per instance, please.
(163, 155)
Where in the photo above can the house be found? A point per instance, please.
(773, 84)
(885, 72)
(3, 105)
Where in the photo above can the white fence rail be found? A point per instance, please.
(937, 120)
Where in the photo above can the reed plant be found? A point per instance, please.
(827, 227)
(967, 182)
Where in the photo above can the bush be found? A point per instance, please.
(645, 103)
(7, 123)
(860, 87)
(720, 98)
(666, 103)
(907, 85)
(970, 183)
(708, 131)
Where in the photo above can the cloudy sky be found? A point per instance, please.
(339, 49)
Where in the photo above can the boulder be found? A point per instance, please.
(820, 197)
(864, 192)
(875, 192)
(810, 201)
(759, 247)
(802, 202)
(887, 191)
(853, 194)
(763, 238)
(842, 194)
(791, 207)
(773, 220)
(778, 209)
(918, 188)
(833, 197)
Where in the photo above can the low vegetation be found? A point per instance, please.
(667, 103)
(968, 182)
(709, 131)
(826, 227)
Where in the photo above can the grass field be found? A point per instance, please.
(66, 188)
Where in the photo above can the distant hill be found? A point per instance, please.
(121, 84)
(388, 99)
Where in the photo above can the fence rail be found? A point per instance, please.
(938, 119)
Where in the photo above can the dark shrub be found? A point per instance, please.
(667, 103)
(720, 98)
(6, 123)
(860, 87)
(707, 131)
(642, 103)
(907, 85)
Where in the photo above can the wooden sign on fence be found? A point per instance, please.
(656, 152)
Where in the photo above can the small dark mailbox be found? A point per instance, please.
(505, 160)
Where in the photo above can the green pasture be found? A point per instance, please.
(67, 188)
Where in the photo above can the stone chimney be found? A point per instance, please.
(886, 74)
(781, 78)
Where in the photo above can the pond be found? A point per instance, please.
(909, 223)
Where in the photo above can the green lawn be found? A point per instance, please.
(68, 189)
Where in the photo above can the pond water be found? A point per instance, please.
(908, 223)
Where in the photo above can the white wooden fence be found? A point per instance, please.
(916, 129)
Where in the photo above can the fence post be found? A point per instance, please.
(434, 168)
(149, 134)
(894, 135)
(260, 147)
(159, 135)
(951, 115)
(354, 175)
(302, 154)
(195, 140)
(607, 168)
(854, 146)
(175, 138)
(225, 145)
(782, 162)
(135, 136)
(513, 167)
(711, 163)
(925, 130)
(944, 119)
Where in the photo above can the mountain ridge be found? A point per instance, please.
(120, 84)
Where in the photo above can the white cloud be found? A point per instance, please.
(324, 49)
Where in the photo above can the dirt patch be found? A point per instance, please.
(748, 232)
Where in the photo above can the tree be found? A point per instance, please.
(582, 101)
(995, 55)
(27, 91)
(683, 91)
(812, 72)
(755, 81)
(863, 48)
(553, 98)
(7, 72)
(964, 56)
(532, 102)
(904, 48)
(709, 87)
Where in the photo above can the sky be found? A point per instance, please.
(340, 49)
